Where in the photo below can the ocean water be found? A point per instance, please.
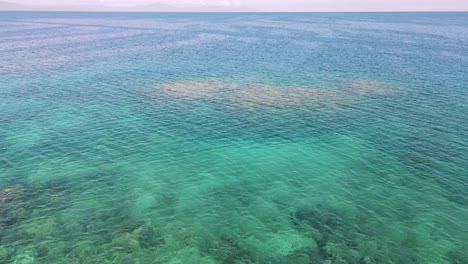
(233, 138)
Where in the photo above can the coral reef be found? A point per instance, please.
(320, 219)
(367, 87)
(276, 96)
(459, 255)
(192, 89)
(5, 254)
(284, 96)
(147, 237)
(83, 252)
(11, 205)
(24, 257)
(41, 227)
(226, 249)
(143, 236)
(340, 240)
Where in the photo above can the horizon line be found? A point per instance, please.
(259, 11)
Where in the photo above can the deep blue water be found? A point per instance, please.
(233, 138)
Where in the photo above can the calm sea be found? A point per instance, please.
(233, 138)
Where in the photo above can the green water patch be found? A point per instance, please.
(325, 199)
(224, 109)
(340, 138)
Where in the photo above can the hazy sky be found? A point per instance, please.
(279, 5)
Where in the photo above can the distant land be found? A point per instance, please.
(237, 5)
(156, 7)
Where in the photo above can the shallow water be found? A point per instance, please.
(233, 138)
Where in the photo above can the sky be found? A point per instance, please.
(263, 5)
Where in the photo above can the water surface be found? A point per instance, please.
(233, 138)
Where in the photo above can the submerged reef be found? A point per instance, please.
(11, 209)
(226, 249)
(142, 237)
(249, 96)
(325, 220)
(192, 89)
(459, 255)
(340, 240)
(284, 96)
(367, 87)
(278, 232)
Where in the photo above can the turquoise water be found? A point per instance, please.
(233, 138)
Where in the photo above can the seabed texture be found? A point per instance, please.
(233, 138)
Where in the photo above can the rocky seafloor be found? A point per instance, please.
(233, 138)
